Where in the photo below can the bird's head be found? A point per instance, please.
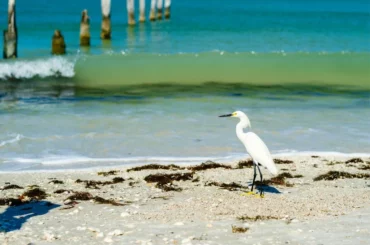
(241, 115)
(238, 114)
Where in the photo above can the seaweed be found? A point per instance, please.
(86, 196)
(35, 194)
(315, 156)
(111, 172)
(279, 161)
(12, 202)
(257, 218)
(367, 167)
(333, 163)
(80, 196)
(208, 165)
(156, 167)
(236, 229)
(246, 164)
(168, 187)
(60, 191)
(9, 186)
(168, 178)
(164, 181)
(101, 200)
(278, 180)
(56, 182)
(333, 175)
(231, 186)
(93, 184)
(116, 180)
(355, 160)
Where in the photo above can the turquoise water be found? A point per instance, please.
(299, 69)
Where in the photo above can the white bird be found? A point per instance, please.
(255, 147)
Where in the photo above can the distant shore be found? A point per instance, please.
(315, 199)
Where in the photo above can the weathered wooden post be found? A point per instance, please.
(131, 12)
(106, 24)
(159, 9)
(85, 29)
(58, 45)
(167, 9)
(153, 3)
(142, 11)
(10, 35)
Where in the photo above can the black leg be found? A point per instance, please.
(259, 170)
(254, 175)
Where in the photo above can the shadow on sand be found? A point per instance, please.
(15, 216)
(267, 188)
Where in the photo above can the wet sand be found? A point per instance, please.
(205, 207)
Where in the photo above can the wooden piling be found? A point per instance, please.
(167, 9)
(106, 24)
(131, 12)
(10, 35)
(152, 16)
(142, 11)
(159, 9)
(58, 45)
(85, 29)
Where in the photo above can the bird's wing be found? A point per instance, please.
(257, 149)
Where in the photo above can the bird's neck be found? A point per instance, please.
(244, 123)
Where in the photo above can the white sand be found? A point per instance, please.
(321, 212)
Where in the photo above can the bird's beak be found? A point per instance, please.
(227, 115)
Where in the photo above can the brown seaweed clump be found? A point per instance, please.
(315, 156)
(238, 229)
(354, 160)
(80, 196)
(164, 181)
(101, 200)
(60, 191)
(208, 165)
(86, 196)
(12, 202)
(279, 161)
(35, 194)
(8, 187)
(257, 218)
(168, 178)
(156, 167)
(245, 164)
(93, 184)
(278, 180)
(112, 172)
(56, 182)
(333, 175)
(231, 186)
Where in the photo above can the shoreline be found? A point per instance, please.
(201, 208)
(132, 162)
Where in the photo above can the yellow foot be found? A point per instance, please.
(254, 194)
(249, 193)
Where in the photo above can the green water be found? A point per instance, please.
(351, 70)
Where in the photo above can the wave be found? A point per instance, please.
(28, 69)
(61, 163)
(17, 138)
(126, 69)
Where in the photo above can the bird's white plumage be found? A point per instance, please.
(258, 150)
(254, 145)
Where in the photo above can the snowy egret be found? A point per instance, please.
(255, 147)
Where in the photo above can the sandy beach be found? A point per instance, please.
(207, 205)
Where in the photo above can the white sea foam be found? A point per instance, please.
(17, 138)
(57, 163)
(25, 69)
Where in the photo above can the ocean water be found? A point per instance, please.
(299, 69)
